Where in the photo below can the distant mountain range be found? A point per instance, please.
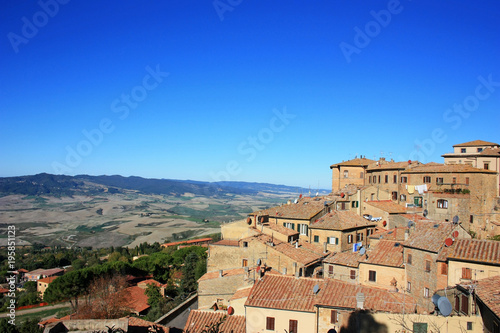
(60, 185)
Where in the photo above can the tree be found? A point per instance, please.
(69, 286)
(107, 298)
(188, 283)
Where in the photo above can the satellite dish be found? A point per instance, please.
(455, 234)
(444, 306)
(316, 289)
(426, 212)
(435, 299)
(258, 262)
(230, 310)
(455, 219)
(448, 242)
(411, 224)
(362, 251)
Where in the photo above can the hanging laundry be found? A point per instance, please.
(411, 189)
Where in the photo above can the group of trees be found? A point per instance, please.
(91, 286)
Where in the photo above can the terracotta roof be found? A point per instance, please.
(198, 321)
(193, 241)
(305, 209)
(429, 236)
(281, 229)
(137, 300)
(485, 251)
(341, 220)
(241, 293)
(447, 168)
(490, 152)
(138, 322)
(3, 290)
(392, 166)
(395, 234)
(476, 143)
(227, 242)
(296, 294)
(388, 206)
(386, 253)
(414, 217)
(354, 162)
(347, 258)
(45, 272)
(305, 254)
(225, 272)
(488, 290)
(150, 281)
(48, 279)
(22, 270)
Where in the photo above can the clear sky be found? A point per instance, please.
(265, 91)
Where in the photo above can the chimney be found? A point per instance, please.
(360, 300)
(220, 273)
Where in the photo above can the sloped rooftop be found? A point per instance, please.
(341, 220)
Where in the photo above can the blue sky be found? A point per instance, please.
(265, 91)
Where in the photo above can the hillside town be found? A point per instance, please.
(397, 246)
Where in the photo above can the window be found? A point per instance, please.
(402, 197)
(479, 150)
(332, 240)
(304, 229)
(330, 269)
(419, 327)
(370, 179)
(466, 273)
(372, 276)
(444, 268)
(349, 239)
(316, 239)
(463, 150)
(409, 259)
(244, 263)
(342, 206)
(245, 244)
(346, 174)
(395, 179)
(394, 195)
(439, 180)
(270, 323)
(404, 180)
(426, 292)
(427, 179)
(379, 179)
(408, 286)
(359, 237)
(374, 179)
(427, 265)
(469, 326)
(454, 180)
(441, 203)
(353, 274)
(372, 196)
(466, 180)
(354, 204)
(361, 175)
(289, 225)
(292, 326)
(386, 179)
(471, 219)
(457, 303)
(334, 317)
(486, 166)
(464, 307)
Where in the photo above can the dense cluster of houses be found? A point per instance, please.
(389, 249)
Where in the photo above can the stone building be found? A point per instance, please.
(421, 252)
(352, 172)
(478, 153)
(340, 230)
